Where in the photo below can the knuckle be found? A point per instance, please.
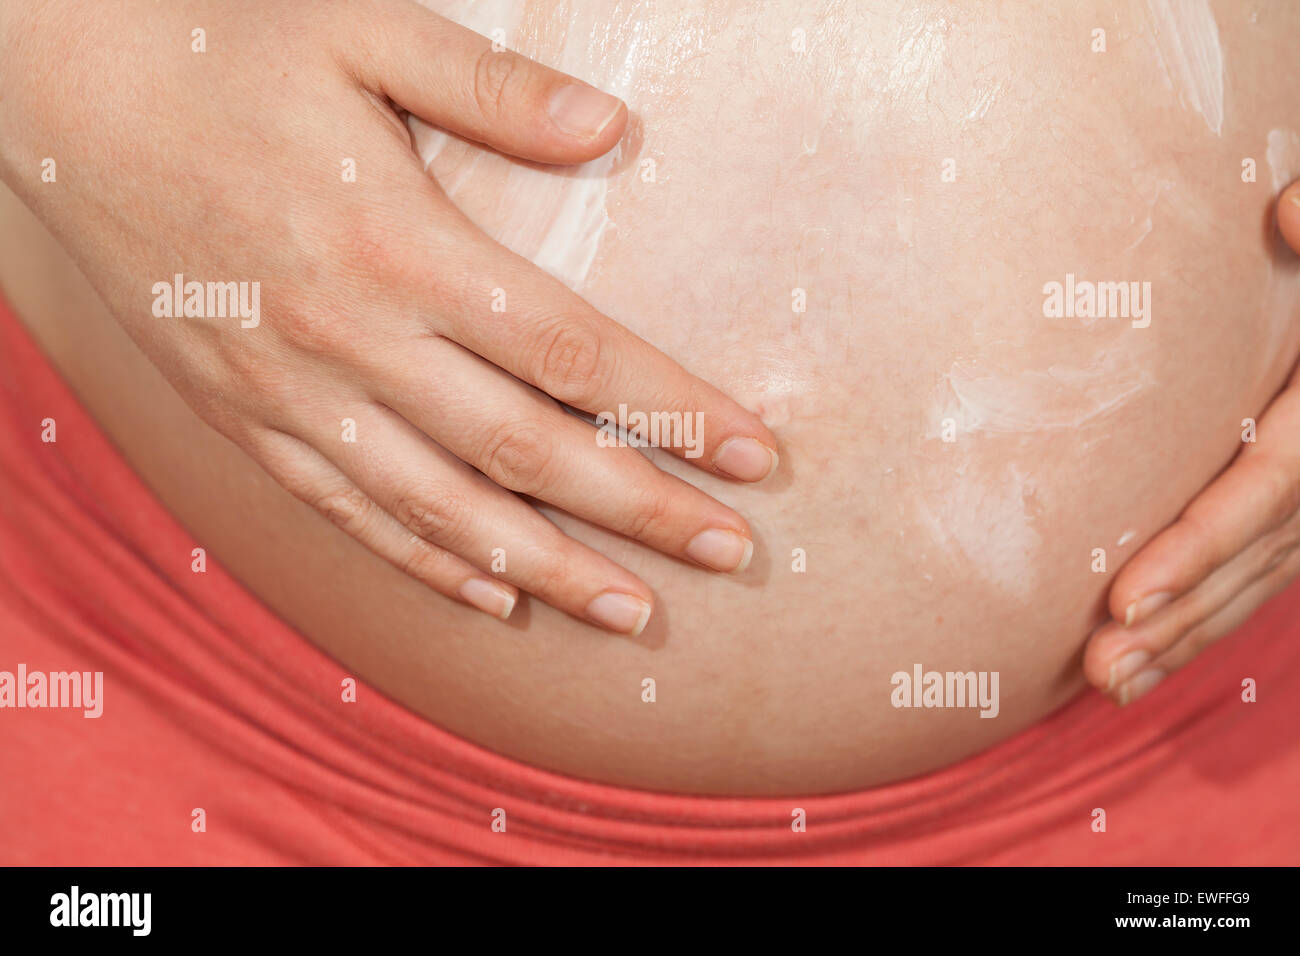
(268, 386)
(433, 513)
(570, 362)
(548, 571)
(1196, 537)
(494, 74)
(517, 456)
(315, 331)
(379, 254)
(648, 514)
(346, 508)
(424, 562)
(365, 251)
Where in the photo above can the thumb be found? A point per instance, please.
(1288, 215)
(452, 77)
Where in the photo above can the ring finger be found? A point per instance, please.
(444, 501)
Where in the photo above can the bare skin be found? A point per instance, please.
(969, 555)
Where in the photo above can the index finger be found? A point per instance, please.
(553, 339)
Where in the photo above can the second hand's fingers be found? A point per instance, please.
(1115, 653)
(1257, 493)
(1220, 624)
(551, 338)
(524, 442)
(310, 477)
(444, 501)
(1288, 216)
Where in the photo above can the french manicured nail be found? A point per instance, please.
(1140, 610)
(746, 459)
(489, 597)
(582, 111)
(1125, 667)
(721, 550)
(1140, 685)
(624, 613)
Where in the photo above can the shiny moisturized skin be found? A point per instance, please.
(920, 172)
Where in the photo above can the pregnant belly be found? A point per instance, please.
(1005, 298)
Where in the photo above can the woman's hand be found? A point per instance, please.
(1234, 547)
(368, 372)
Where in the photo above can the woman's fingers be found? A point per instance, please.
(1257, 493)
(454, 78)
(552, 339)
(442, 500)
(1218, 625)
(524, 442)
(1140, 662)
(1115, 654)
(309, 476)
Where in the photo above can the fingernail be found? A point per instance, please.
(581, 110)
(620, 612)
(746, 459)
(1125, 667)
(1139, 611)
(721, 550)
(1140, 685)
(1295, 198)
(488, 596)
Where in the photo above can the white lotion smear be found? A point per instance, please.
(556, 217)
(1187, 43)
